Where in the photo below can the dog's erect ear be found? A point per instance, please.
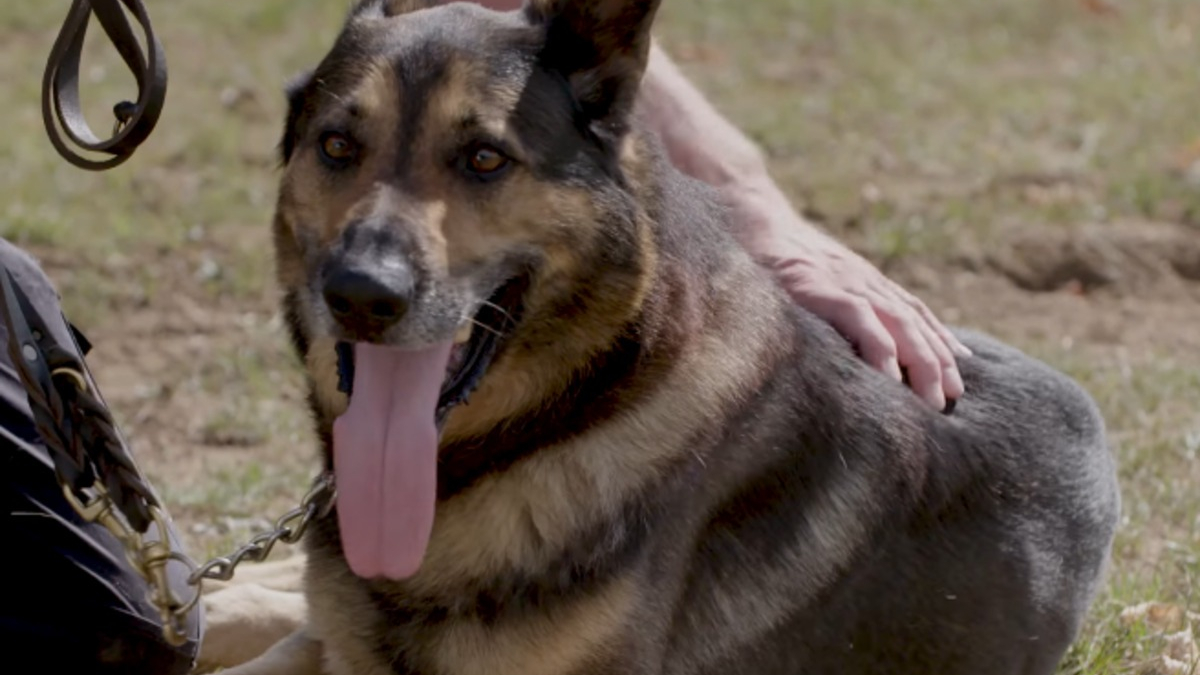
(296, 92)
(601, 47)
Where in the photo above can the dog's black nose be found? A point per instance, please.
(367, 301)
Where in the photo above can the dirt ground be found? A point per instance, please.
(1131, 287)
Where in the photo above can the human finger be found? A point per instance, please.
(855, 318)
(914, 349)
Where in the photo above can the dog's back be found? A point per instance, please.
(862, 533)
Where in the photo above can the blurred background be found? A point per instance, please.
(1030, 168)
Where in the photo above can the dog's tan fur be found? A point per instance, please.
(561, 641)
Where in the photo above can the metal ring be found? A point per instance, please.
(75, 376)
(192, 567)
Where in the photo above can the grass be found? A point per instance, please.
(1156, 434)
(915, 129)
(949, 108)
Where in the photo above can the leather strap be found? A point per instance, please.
(60, 84)
(72, 418)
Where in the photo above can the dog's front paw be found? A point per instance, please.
(243, 622)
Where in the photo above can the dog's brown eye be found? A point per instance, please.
(486, 160)
(337, 148)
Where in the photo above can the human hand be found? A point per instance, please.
(891, 328)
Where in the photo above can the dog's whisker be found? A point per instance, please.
(496, 307)
(494, 331)
(507, 316)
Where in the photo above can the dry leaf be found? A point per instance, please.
(1181, 655)
(1158, 616)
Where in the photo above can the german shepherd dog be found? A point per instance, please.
(577, 430)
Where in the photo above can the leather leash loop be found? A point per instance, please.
(60, 84)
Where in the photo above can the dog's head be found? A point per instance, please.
(458, 204)
(445, 164)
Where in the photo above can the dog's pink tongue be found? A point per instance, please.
(385, 458)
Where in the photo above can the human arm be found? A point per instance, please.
(889, 325)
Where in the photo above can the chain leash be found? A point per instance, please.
(150, 558)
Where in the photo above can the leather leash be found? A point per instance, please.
(60, 84)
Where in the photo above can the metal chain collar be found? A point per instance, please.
(150, 558)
